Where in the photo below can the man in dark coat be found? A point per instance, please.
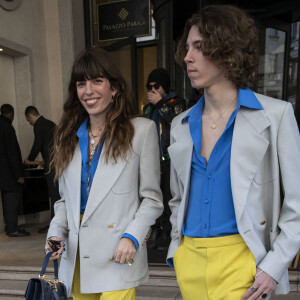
(163, 106)
(43, 143)
(11, 172)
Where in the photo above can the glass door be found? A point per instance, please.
(124, 52)
(272, 76)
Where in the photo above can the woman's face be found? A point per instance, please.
(95, 95)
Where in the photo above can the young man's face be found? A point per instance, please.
(201, 71)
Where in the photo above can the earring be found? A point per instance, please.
(113, 97)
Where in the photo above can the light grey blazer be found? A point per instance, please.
(265, 163)
(125, 197)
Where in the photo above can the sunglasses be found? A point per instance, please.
(150, 86)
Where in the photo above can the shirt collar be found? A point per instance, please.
(246, 98)
(83, 129)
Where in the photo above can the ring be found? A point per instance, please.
(130, 262)
(253, 289)
(264, 296)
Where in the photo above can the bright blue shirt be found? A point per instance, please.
(83, 135)
(210, 211)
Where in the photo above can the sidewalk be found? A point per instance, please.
(29, 252)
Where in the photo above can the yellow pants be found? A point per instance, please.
(128, 294)
(221, 268)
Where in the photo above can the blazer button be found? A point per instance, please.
(262, 222)
(111, 226)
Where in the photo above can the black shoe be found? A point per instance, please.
(18, 233)
(44, 229)
(152, 242)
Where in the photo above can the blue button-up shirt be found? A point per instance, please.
(83, 135)
(211, 211)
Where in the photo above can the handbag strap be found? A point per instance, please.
(45, 263)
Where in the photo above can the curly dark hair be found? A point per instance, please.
(229, 40)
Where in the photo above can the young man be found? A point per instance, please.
(163, 106)
(11, 172)
(43, 143)
(232, 157)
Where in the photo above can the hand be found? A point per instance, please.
(40, 164)
(57, 254)
(154, 97)
(20, 180)
(125, 251)
(263, 283)
(27, 161)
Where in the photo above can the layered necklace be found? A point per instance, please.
(213, 125)
(92, 148)
(92, 141)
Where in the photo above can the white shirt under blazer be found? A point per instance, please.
(265, 181)
(125, 197)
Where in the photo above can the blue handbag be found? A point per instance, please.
(45, 289)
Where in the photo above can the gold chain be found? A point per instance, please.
(213, 124)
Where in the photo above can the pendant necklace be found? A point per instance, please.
(92, 146)
(213, 125)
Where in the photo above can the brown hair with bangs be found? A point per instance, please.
(118, 134)
(229, 40)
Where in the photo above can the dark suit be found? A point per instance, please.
(10, 170)
(43, 142)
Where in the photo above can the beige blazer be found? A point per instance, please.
(265, 170)
(125, 197)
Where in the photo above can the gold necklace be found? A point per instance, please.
(92, 142)
(213, 124)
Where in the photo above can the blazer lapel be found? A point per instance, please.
(248, 149)
(181, 151)
(73, 183)
(105, 176)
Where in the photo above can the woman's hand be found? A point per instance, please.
(59, 252)
(125, 251)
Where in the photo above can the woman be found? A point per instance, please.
(107, 163)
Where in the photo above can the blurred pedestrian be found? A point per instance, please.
(163, 105)
(43, 143)
(11, 172)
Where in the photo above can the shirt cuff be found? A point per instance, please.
(170, 262)
(129, 236)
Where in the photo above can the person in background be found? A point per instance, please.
(11, 172)
(107, 162)
(235, 169)
(163, 105)
(43, 143)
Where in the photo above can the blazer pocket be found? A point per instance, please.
(125, 183)
(265, 174)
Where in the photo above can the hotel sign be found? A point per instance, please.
(122, 19)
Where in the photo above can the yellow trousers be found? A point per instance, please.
(220, 268)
